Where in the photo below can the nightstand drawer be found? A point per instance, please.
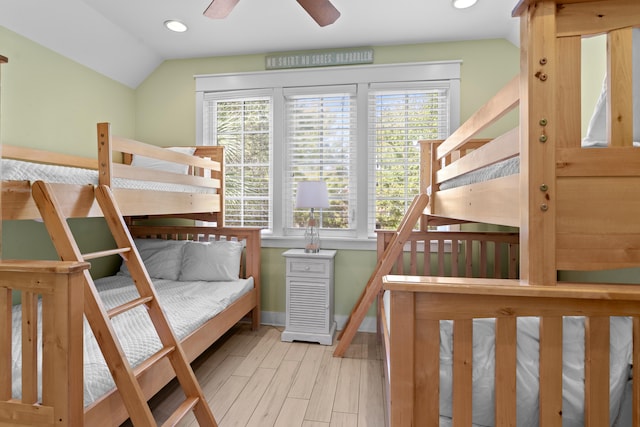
(308, 268)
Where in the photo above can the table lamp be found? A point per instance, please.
(312, 195)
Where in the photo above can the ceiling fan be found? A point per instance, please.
(322, 11)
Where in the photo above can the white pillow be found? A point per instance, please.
(211, 261)
(163, 165)
(162, 258)
(597, 129)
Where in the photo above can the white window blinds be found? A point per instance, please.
(399, 117)
(243, 125)
(320, 144)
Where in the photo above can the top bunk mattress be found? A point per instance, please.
(18, 170)
(503, 168)
(497, 170)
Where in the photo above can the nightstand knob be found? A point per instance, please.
(307, 267)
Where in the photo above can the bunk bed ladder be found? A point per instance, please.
(383, 267)
(124, 376)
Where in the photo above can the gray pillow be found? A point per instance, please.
(162, 258)
(211, 261)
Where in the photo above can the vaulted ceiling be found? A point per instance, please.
(126, 39)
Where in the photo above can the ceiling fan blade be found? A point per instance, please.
(219, 9)
(322, 11)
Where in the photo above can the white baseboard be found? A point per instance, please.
(278, 318)
(273, 318)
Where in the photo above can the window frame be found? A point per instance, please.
(375, 89)
(360, 75)
(289, 183)
(210, 132)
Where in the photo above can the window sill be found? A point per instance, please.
(328, 243)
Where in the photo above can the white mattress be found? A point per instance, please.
(527, 369)
(17, 170)
(187, 305)
(506, 167)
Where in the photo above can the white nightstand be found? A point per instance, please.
(309, 296)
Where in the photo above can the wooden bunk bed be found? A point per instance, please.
(196, 179)
(575, 208)
(60, 401)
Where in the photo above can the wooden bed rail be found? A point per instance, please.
(424, 301)
(108, 143)
(507, 99)
(477, 254)
(60, 287)
(47, 157)
(199, 194)
(250, 236)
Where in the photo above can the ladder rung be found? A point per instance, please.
(181, 411)
(163, 352)
(102, 254)
(127, 306)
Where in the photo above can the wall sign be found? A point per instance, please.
(319, 58)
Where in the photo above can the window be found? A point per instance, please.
(319, 144)
(398, 119)
(354, 127)
(243, 126)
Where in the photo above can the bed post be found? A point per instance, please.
(537, 143)
(3, 60)
(60, 286)
(105, 155)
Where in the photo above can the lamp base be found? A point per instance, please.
(312, 249)
(312, 236)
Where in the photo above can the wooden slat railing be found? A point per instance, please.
(419, 303)
(59, 286)
(456, 248)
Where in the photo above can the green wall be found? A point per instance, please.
(53, 103)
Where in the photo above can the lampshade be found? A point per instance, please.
(312, 194)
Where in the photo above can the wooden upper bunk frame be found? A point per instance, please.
(576, 207)
(206, 170)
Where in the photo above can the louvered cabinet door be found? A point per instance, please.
(310, 305)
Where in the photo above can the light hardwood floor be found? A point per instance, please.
(251, 378)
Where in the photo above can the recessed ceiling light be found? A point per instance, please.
(463, 4)
(176, 26)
